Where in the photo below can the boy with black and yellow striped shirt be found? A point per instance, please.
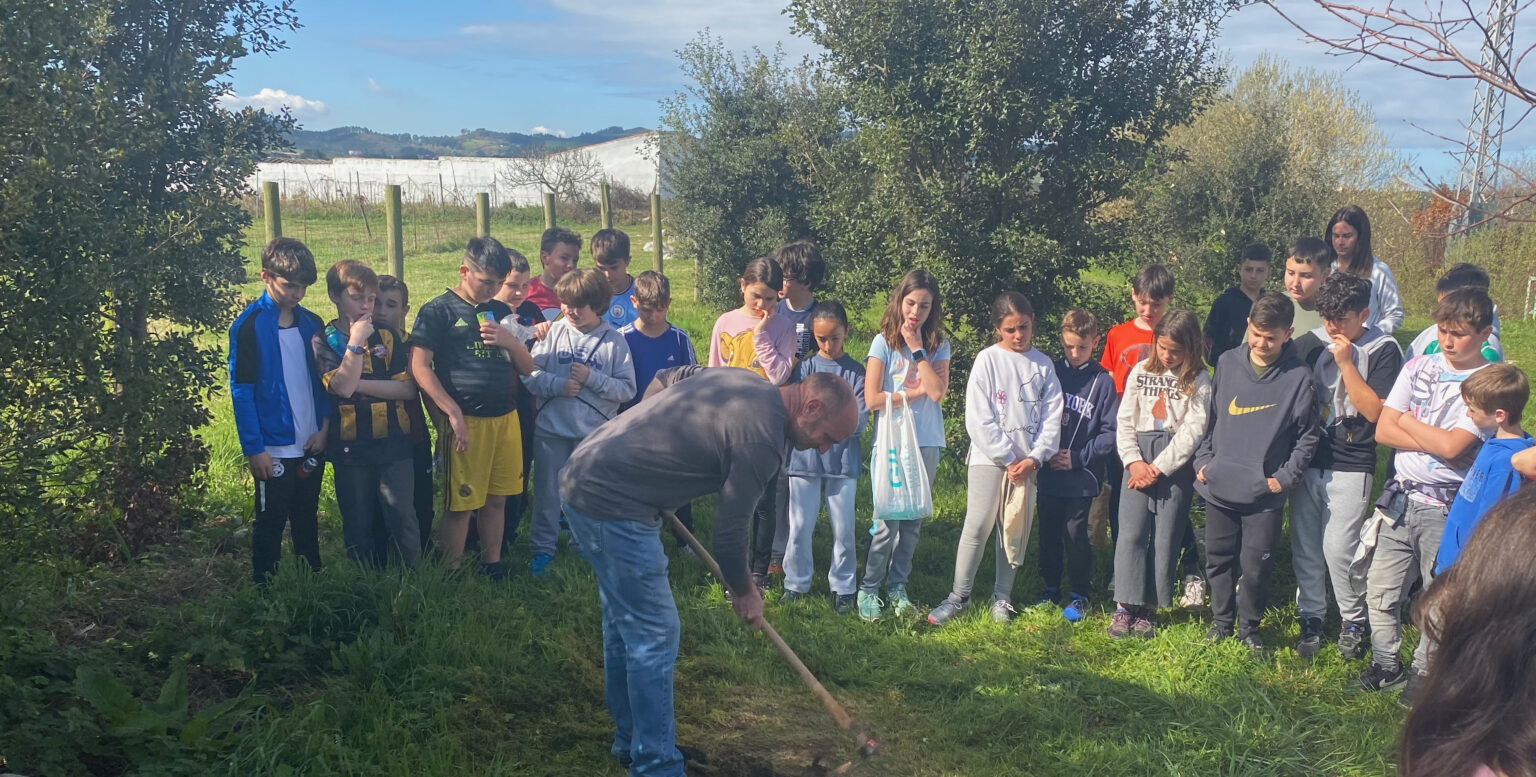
(365, 371)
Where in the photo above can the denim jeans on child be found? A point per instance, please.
(640, 638)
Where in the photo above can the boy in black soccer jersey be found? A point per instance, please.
(465, 361)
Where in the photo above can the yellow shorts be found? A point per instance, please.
(493, 465)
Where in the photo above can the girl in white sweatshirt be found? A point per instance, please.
(1161, 420)
(1013, 408)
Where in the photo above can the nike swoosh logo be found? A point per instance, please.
(1235, 409)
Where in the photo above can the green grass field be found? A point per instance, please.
(421, 673)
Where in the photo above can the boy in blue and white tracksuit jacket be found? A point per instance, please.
(1073, 478)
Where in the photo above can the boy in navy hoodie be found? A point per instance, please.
(1074, 476)
(1262, 435)
(282, 412)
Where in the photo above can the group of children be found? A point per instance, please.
(516, 370)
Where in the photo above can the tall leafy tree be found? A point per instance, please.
(738, 151)
(1269, 161)
(120, 231)
(986, 132)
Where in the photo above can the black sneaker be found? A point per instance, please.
(790, 597)
(1410, 689)
(1379, 678)
(761, 581)
(843, 604)
(1218, 632)
(1353, 637)
(1311, 641)
(493, 571)
(1048, 595)
(1249, 638)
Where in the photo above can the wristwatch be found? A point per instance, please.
(357, 349)
(920, 355)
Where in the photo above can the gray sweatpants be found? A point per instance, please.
(1152, 522)
(550, 453)
(1400, 550)
(1327, 510)
(981, 494)
(889, 559)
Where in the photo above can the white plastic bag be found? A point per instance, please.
(896, 469)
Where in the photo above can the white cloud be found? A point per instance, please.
(376, 87)
(543, 130)
(478, 29)
(274, 100)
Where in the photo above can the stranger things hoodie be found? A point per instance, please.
(1263, 425)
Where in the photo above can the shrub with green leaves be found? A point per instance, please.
(120, 177)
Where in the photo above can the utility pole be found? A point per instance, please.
(1480, 166)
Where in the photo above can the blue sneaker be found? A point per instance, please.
(539, 564)
(869, 606)
(1075, 609)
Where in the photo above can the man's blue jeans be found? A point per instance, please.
(640, 636)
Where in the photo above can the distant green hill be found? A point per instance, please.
(361, 141)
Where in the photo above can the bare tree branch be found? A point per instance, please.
(1435, 41)
(1422, 42)
(569, 175)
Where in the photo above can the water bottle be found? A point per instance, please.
(336, 340)
(522, 333)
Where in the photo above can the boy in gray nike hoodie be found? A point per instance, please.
(1262, 434)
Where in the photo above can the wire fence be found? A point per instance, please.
(354, 227)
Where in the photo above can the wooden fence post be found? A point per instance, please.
(607, 212)
(549, 210)
(396, 250)
(483, 214)
(656, 228)
(272, 209)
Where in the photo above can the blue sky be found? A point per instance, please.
(568, 66)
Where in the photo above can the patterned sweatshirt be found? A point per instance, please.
(1155, 403)
(1012, 407)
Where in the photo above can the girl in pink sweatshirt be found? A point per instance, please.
(751, 336)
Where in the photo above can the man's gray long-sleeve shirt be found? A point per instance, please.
(722, 430)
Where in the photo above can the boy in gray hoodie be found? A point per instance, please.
(583, 373)
(1262, 435)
